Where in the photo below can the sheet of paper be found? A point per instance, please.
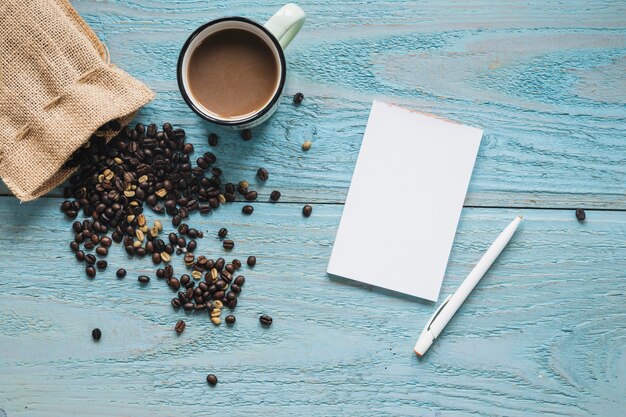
(404, 202)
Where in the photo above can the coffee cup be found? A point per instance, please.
(231, 71)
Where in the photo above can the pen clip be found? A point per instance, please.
(436, 313)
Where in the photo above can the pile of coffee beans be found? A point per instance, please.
(151, 167)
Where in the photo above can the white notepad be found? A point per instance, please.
(404, 202)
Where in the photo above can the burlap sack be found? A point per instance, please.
(57, 87)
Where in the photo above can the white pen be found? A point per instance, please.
(451, 304)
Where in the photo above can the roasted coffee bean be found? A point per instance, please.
(101, 264)
(228, 244)
(211, 379)
(181, 242)
(77, 226)
(185, 279)
(173, 283)
(275, 195)
(199, 307)
(156, 258)
(90, 259)
(265, 320)
(168, 271)
(230, 319)
(188, 148)
(102, 251)
(232, 304)
(191, 246)
(213, 139)
(105, 241)
(94, 239)
(231, 295)
(144, 279)
(230, 268)
(96, 334)
(251, 261)
(236, 263)
(235, 288)
(160, 273)
(580, 214)
(246, 134)
(307, 210)
(247, 210)
(298, 97)
(172, 238)
(91, 271)
(239, 281)
(188, 306)
(192, 233)
(219, 295)
(251, 195)
(121, 273)
(183, 228)
(222, 233)
(175, 303)
(262, 174)
(180, 326)
(221, 284)
(219, 264)
(89, 245)
(80, 255)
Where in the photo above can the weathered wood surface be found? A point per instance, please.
(544, 334)
(545, 80)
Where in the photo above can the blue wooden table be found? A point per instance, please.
(543, 334)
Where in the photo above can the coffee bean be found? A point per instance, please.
(213, 139)
(96, 334)
(228, 244)
(236, 263)
(89, 245)
(275, 195)
(191, 246)
(230, 268)
(102, 264)
(168, 272)
(262, 174)
(211, 379)
(80, 255)
(234, 288)
(230, 319)
(102, 251)
(239, 281)
(91, 271)
(298, 97)
(246, 134)
(251, 195)
(174, 283)
(156, 258)
(307, 210)
(90, 259)
(247, 209)
(251, 261)
(580, 214)
(105, 241)
(180, 326)
(121, 273)
(188, 306)
(222, 233)
(265, 320)
(144, 279)
(175, 303)
(74, 246)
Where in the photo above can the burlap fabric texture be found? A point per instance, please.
(57, 87)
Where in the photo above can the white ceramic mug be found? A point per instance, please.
(277, 33)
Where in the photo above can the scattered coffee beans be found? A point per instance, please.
(580, 214)
(275, 195)
(246, 134)
(307, 210)
(211, 379)
(180, 326)
(263, 174)
(96, 334)
(265, 320)
(298, 97)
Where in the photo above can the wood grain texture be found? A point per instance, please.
(545, 79)
(543, 334)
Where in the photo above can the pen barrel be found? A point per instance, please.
(474, 277)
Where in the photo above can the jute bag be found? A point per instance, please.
(57, 87)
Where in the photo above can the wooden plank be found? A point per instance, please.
(543, 334)
(545, 80)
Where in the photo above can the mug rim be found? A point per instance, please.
(200, 112)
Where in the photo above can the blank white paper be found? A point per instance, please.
(405, 200)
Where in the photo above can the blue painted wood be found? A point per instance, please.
(544, 332)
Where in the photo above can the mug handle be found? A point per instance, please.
(286, 23)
